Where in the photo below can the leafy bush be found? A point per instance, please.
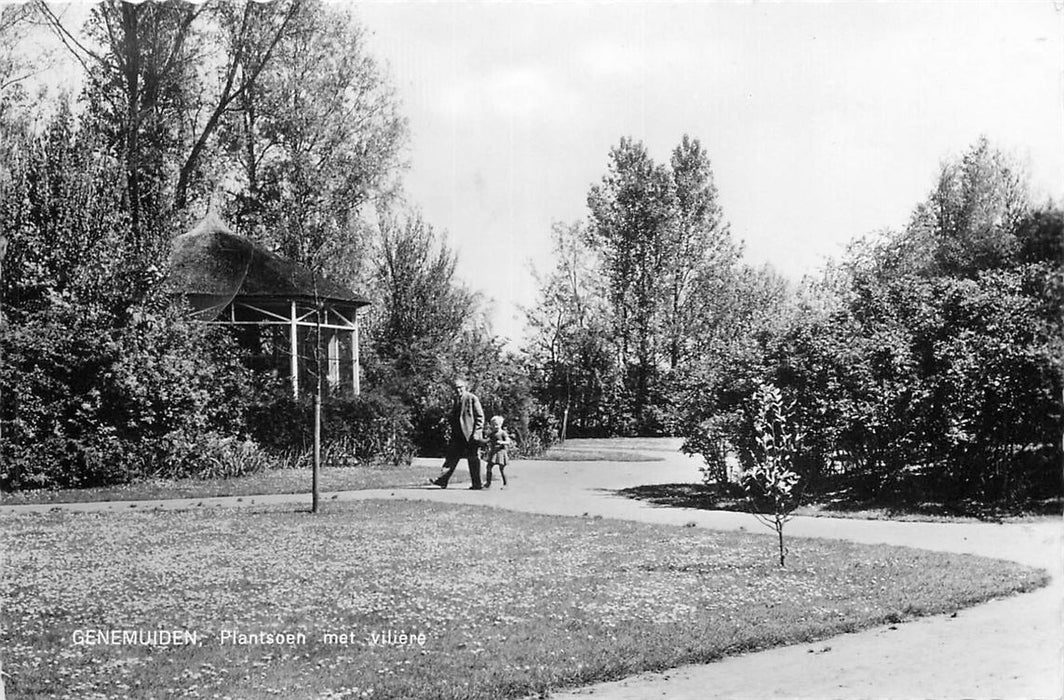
(211, 456)
(87, 400)
(536, 433)
(355, 429)
(928, 365)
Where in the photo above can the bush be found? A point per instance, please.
(88, 400)
(211, 456)
(355, 429)
(537, 432)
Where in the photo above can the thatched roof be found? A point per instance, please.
(210, 262)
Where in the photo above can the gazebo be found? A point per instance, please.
(285, 315)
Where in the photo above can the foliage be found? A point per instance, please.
(622, 318)
(100, 376)
(632, 212)
(927, 365)
(180, 98)
(88, 400)
(423, 307)
(733, 361)
(61, 202)
(414, 331)
(312, 142)
(277, 103)
(15, 67)
(771, 482)
(356, 429)
(572, 357)
(211, 456)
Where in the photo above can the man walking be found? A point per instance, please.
(467, 434)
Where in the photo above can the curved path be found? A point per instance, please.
(1007, 648)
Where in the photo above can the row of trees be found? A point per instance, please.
(642, 292)
(927, 361)
(925, 365)
(276, 116)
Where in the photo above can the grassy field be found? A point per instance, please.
(262, 483)
(507, 604)
(595, 454)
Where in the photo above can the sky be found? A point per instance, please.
(823, 121)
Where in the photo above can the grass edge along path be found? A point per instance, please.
(264, 483)
(284, 481)
(510, 604)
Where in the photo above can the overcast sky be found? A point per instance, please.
(822, 121)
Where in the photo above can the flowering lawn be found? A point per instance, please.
(420, 600)
(370, 476)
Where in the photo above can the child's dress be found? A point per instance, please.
(497, 442)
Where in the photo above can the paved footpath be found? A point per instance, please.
(1006, 648)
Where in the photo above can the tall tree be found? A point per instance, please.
(252, 34)
(632, 212)
(315, 141)
(969, 219)
(703, 255)
(667, 254)
(15, 68)
(571, 348)
(160, 78)
(139, 64)
(423, 307)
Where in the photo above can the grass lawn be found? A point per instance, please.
(508, 604)
(633, 449)
(262, 483)
(593, 454)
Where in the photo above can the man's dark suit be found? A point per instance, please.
(467, 434)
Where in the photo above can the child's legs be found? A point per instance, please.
(502, 473)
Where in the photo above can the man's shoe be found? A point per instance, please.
(437, 482)
(474, 488)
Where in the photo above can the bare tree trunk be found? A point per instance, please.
(316, 471)
(316, 468)
(779, 531)
(568, 404)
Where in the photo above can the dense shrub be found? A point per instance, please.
(87, 400)
(537, 433)
(209, 455)
(355, 429)
(928, 366)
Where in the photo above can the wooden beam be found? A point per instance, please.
(355, 384)
(293, 345)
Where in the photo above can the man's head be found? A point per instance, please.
(460, 386)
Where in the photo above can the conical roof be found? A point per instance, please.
(212, 265)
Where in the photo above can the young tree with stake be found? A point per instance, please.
(771, 484)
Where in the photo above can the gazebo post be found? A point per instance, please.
(355, 383)
(293, 342)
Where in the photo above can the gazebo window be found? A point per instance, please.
(334, 360)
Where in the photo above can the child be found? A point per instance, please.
(498, 439)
